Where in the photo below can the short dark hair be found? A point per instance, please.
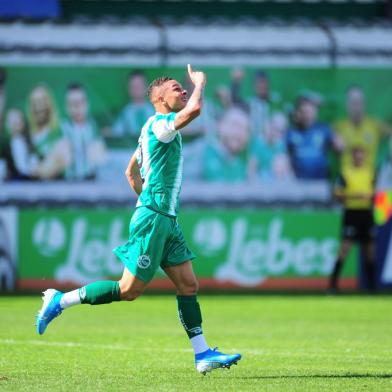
(353, 87)
(136, 72)
(260, 74)
(158, 82)
(3, 76)
(302, 100)
(358, 147)
(75, 86)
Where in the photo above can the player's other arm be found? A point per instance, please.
(335, 140)
(133, 175)
(339, 190)
(193, 107)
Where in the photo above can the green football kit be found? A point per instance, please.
(155, 237)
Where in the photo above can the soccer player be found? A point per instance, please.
(155, 238)
(355, 189)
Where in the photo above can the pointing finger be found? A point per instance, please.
(189, 69)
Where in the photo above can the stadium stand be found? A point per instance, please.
(244, 32)
(247, 41)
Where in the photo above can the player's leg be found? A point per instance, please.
(343, 252)
(141, 255)
(128, 288)
(368, 251)
(367, 236)
(349, 233)
(190, 315)
(188, 307)
(131, 286)
(54, 301)
(178, 267)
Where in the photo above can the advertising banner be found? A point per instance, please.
(259, 249)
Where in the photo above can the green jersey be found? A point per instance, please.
(219, 165)
(80, 137)
(132, 118)
(159, 157)
(45, 140)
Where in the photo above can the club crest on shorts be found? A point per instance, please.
(144, 261)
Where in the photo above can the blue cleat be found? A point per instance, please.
(50, 309)
(213, 359)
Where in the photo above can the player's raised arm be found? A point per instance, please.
(193, 107)
(132, 173)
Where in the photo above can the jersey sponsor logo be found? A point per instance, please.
(144, 261)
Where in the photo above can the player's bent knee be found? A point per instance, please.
(129, 291)
(190, 287)
(130, 295)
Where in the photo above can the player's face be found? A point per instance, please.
(307, 113)
(174, 96)
(234, 132)
(358, 157)
(275, 128)
(137, 88)
(237, 142)
(355, 103)
(15, 122)
(40, 106)
(77, 105)
(261, 87)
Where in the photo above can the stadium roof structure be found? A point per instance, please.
(247, 41)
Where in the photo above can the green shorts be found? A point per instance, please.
(154, 240)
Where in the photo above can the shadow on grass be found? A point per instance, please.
(348, 375)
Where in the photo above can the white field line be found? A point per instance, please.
(85, 345)
(247, 351)
(36, 342)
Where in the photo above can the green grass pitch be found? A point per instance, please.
(289, 343)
